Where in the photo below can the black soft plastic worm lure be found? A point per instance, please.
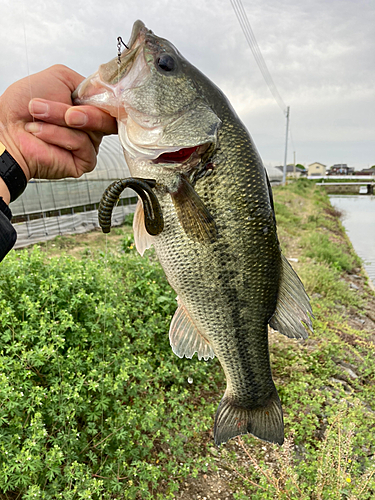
(154, 222)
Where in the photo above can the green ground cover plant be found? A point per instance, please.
(94, 404)
(92, 401)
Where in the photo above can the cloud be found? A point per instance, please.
(320, 55)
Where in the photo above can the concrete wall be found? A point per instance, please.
(346, 188)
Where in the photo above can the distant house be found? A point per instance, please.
(292, 171)
(340, 169)
(366, 171)
(316, 169)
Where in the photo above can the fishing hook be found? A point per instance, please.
(119, 42)
(154, 222)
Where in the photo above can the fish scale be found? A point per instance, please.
(219, 246)
(231, 299)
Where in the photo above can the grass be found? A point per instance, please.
(333, 470)
(320, 247)
(93, 403)
(327, 383)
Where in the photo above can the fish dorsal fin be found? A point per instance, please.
(192, 213)
(142, 239)
(293, 309)
(185, 337)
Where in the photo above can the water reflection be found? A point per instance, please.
(359, 222)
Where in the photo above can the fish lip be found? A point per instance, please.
(138, 29)
(86, 90)
(102, 85)
(97, 88)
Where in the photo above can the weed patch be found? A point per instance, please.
(93, 399)
(318, 246)
(334, 474)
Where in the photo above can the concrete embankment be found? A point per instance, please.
(348, 187)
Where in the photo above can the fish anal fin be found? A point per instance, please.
(185, 337)
(293, 309)
(142, 239)
(264, 422)
(192, 213)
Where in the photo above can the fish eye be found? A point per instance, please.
(166, 62)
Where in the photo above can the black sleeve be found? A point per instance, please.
(8, 234)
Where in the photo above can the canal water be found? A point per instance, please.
(359, 222)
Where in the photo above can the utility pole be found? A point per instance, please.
(286, 145)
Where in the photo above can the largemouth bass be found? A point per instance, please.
(219, 247)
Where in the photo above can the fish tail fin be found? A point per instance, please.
(265, 422)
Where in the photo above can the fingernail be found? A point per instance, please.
(76, 118)
(38, 108)
(33, 127)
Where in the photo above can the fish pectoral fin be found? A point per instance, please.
(192, 213)
(293, 309)
(265, 422)
(185, 337)
(142, 239)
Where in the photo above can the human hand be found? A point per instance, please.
(48, 137)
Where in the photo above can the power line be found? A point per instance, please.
(253, 44)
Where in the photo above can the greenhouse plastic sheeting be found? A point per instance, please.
(47, 228)
(44, 196)
(50, 208)
(58, 195)
(275, 175)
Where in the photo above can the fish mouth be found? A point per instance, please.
(188, 158)
(103, 88)
(179, 156)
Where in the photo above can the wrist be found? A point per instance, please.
(6, 139)
(4, 192)
(12, 129)
(13, 178)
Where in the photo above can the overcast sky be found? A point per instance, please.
(320, 53)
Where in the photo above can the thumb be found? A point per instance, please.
(89, 118)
